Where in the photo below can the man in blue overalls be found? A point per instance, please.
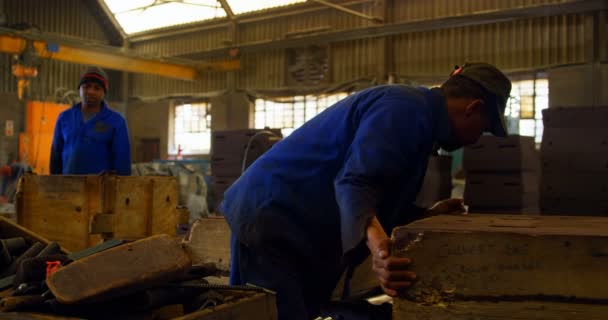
(323, 198)
(89, 137)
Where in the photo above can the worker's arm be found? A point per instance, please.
(121, 150)
(56, 165)
(384, 149)
(391, 271)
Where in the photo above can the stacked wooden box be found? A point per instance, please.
(437, 184)
(501, 175)
(504, 267)
(574, 156)
(228, 148)
(80, 211)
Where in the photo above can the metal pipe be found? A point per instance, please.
(347, 10)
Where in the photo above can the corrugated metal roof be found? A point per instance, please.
(137, 16)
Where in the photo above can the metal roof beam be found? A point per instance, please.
(227, 8)
(347, 10)
(108, 57)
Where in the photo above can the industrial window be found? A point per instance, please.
(290, 113)
(191, 129)
(142, 15)
(524, 109)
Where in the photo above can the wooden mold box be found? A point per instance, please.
(520, 262)
(76, 211)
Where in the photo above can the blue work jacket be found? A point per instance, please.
(310, 197)
(92, 147)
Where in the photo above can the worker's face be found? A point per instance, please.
(91, 93)
(468, 119)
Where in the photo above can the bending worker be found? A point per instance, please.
(89, 137)
(326, 196)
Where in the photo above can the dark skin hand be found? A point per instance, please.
(391, 271)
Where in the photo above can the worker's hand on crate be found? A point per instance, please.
(391, 271)
(447, 206)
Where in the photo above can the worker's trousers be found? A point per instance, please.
(300, 291)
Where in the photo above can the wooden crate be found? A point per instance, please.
(517, 262)
(76, 211)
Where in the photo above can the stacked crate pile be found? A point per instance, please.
(574, 157)
(437, 184)
(228, 148)
(502, 175)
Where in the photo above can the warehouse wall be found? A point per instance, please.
(73, 18)
(231, 111)
(518, 45)
(151, 120)
(148, 121)
(524, 44)
(10, 109)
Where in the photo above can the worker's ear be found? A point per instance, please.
(473, 107)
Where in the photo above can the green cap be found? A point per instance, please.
(495, 83)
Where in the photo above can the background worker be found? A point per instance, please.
(90, 138)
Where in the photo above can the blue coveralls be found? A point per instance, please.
(299, 213)
(97, 145)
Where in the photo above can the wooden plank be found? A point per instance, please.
(504, 310)
(57, 208)
(498, 256)
(120, 270)
(209, 242)
(94, 187)
(165, 200)
(131, 207)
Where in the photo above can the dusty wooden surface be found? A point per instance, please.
(58, 208)
(137, 265)
(64, 208)
(504, 310)
(551, 225)
(209, 242)
(497, 256)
